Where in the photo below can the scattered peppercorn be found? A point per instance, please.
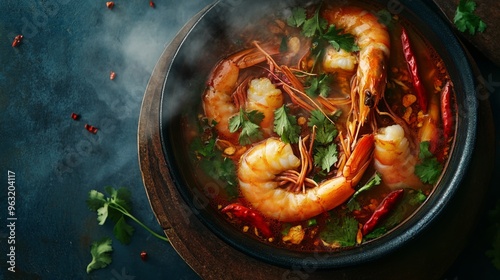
(91, 128)
(152, 4)
(112, 75)
(110, 4)
(75, 116)
(144, 255)
(17, 40)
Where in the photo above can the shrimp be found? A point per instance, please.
(393, 159)
(373, 41)
(264, 97)
(259, 167)
(218, 103)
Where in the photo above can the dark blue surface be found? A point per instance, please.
(63, 66)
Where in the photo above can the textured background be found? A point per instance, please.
(63, 66)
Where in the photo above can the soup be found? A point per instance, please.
(329, 127)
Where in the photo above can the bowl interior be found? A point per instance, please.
(211, 39)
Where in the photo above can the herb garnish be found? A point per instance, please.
(326, 157)
(285, 125)
(101, 254)
(429, 169)
(340, 231)
(117, 206)
(465, 19)
(248, 122)
(318, 29)
(319, 85)
(326, 131)
(215, 165)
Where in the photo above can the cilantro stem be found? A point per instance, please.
(126, 213)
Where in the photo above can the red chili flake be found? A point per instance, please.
(91, 128)
(144, 255)
(112, 75)
(110, 4)
(75, 116)
(17, 40)
(152, 4)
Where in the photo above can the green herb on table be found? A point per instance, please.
(117, 207)
(466, 20)
(285, 125)
(429, 169)
(101, 254)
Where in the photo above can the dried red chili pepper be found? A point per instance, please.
(91, 128)
(144, 255)
(446, 113)
(75, 116)
(17, 40)
(249, 215)
(382, 210)
(413, 69)
(152, 4)
(112, 75)
(110, 4)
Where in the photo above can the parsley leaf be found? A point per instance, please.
(285, 125)
(326, 157)
(429, 169)
(465, 19)
(117, 206)
(319, 85)
(101, 254)
(340, 231)
(326, 131)
(248, 122)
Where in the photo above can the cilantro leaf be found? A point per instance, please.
(340, 40)
(326, 157)
(101, 254)
(118, 204)
(248, 122)
(326, 131)
(340, 231)
(318, 28)
(297, 18)
(466, 20)
(319, 85)
(285, 125)
(374, 181)
(123, 231)
(429, 169)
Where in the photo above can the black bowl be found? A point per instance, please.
(210, 39)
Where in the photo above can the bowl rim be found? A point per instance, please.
(465, 138)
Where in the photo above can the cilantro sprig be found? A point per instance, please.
(285, 125)
(340, 231)
(248, 123)
(101, 254)
(319, 85)
(215, 165)
(466, 20)
(429, 169)
(317, 28)
(116, 207)
(326, 131)
(326, 157)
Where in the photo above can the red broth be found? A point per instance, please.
(217, 153)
